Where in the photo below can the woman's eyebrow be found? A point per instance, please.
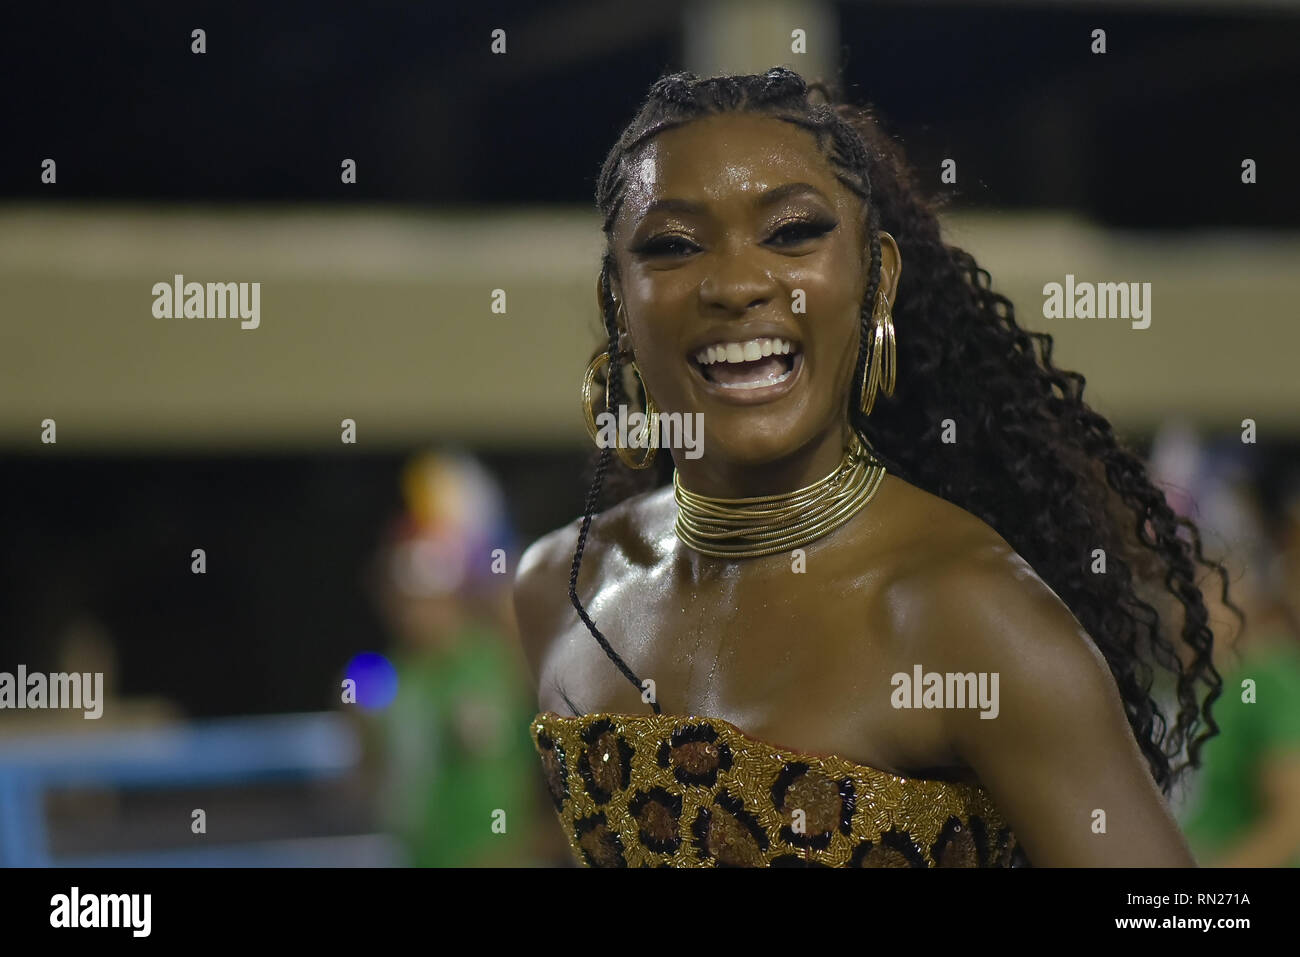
(778, 193)
(766, 198)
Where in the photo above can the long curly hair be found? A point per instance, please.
(1036, 462)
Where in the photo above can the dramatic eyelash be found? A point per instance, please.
(815, 227)
(661, 244)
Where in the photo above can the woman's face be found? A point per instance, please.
(742, 265)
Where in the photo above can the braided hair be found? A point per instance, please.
(1038, 465)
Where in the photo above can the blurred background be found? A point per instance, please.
(376, 563)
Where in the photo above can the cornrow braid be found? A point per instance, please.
(615, 379)
(1038, 465)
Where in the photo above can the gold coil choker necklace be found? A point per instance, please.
(767, 524)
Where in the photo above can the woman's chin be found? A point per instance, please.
(748, 450)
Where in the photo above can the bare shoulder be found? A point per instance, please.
(541, 585)
(965, 592)
(541, 590)
(969, 602)
(623, 526)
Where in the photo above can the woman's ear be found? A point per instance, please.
(600, 300)
(891, 266)
(615, 294)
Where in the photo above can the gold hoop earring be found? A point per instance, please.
(647, 435)
(881, 372)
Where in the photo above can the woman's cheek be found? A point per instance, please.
(663, 372)
(832, 310)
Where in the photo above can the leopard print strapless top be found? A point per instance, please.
(672, 791)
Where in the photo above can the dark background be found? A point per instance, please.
(1147, 135)
(411, 91)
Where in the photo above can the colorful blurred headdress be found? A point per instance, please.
(453, 523)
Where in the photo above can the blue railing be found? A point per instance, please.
(224, 752)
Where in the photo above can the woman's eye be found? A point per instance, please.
(668, 246)
(790, 234)
(800, 231)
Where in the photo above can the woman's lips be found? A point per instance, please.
(761, 380)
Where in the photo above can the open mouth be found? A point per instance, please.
(750, 364)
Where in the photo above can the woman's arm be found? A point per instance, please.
(1059, 759)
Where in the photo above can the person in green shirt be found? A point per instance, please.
(460, 785)
(1248, 808)
(460, 758)
(1245, 803)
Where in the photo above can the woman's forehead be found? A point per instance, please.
(725, 157)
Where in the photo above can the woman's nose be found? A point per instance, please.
(737, 283)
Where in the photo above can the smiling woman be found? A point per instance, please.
(895, 475)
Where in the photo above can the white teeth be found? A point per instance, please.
(747, 351)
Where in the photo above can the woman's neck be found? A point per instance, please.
(721, 478)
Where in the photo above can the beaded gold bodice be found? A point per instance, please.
(672, 791)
